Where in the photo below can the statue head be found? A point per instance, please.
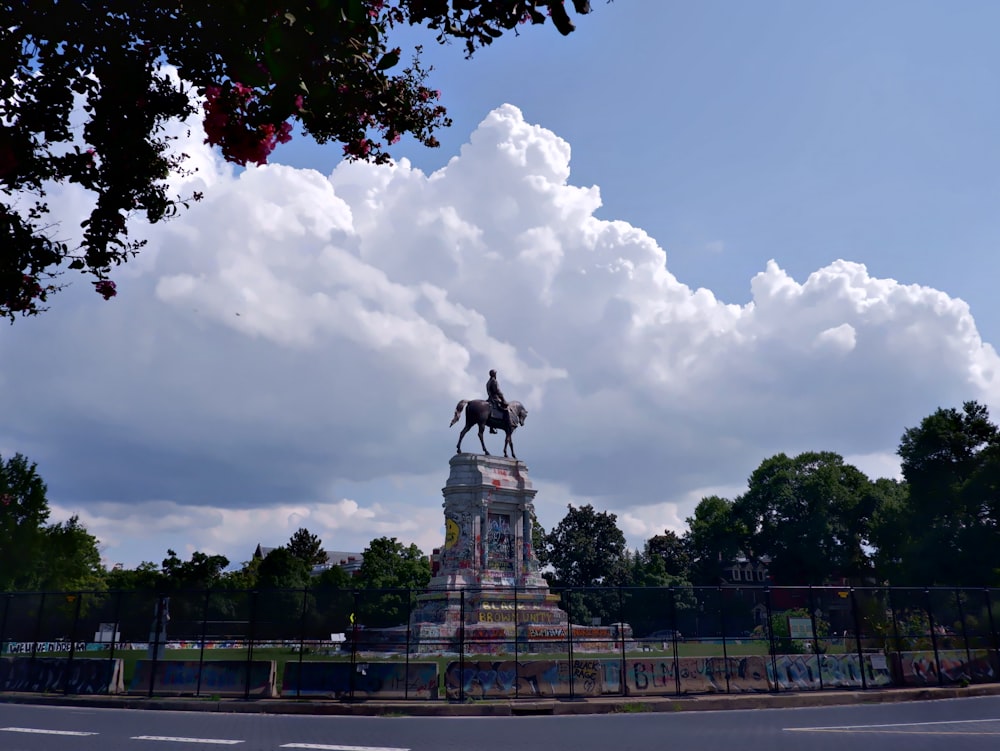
(493, 374)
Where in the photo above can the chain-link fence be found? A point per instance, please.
(497, 642)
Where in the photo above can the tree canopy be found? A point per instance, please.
(307, 547)
(86, 97)
(946, 528)
(586, 548)
(36, 555)
(810, 514)
(389, 564)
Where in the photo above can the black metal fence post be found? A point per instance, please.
(461, 646)
(72, 642)
(354, 642)
(725, 649)
(157, 625)
(517, 654)
(895, 623)
(569, 650)
(934, 643)
(965, 634)
(673, 640)
(201, 645)
(114, 639)
(993, 630)
(409, 613)
(771, 647)
(857, 638)
(621, 639)
(815, 637)
(302, 640)
(251, 635)
(38, 631)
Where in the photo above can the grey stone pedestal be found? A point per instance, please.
(488, 580)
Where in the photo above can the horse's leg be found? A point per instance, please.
(481, 426)
(468, 424)
(510, 441)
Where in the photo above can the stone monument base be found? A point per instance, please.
(488, 595)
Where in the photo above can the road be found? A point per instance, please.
(952, 724)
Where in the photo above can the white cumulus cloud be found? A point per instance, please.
(290, 350)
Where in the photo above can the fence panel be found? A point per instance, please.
(510, 643)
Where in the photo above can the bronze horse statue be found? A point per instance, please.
(477, 412)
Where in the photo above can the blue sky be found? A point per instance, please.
(288, 352)
(804, 132)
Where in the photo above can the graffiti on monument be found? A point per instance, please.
(499, 543)
(459, 542)
(486, 640)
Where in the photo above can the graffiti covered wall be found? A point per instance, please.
(61, 675)
(382, 680)
(920, 668)
(528, 678)
(221, 677)
(696, 675)
(807, 672)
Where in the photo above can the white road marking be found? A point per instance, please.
(42, 731)
(877, 728)
(327, 747)
(218, 741)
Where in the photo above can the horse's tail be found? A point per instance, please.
(458, 412)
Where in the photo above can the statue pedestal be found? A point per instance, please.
(489, 579)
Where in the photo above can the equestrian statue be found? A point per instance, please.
(493, 412)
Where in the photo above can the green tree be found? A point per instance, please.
(714, 539)
(282, 599)
(538, 541)
(389, 565)
(256, 68)
(948, 525)
(334, 578)
(35, 555)
(243, 578)
(203, 571)
(889, 535)
(72, 560)
(811, 515)
(282, 570)
(673, 550)
(24, 509)
(587, 549)
(307, 547)
(652, 597)
(146, 577)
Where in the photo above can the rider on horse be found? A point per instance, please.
(495, 397)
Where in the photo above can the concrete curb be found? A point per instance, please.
(515, 707)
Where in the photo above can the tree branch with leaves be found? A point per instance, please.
(86, 98)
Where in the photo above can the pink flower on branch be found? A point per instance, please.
(105, 288)
(227, 125)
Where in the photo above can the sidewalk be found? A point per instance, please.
(515, 707)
